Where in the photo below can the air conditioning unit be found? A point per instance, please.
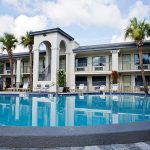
(99, 68)
(8, 71)
(144, 67)
(80, 68)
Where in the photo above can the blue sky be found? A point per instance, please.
(88, 21)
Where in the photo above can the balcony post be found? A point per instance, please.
(18, 72)
(115, 59)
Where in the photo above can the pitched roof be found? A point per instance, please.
(44, 32)
(112, 46)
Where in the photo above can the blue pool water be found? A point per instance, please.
(89, 110)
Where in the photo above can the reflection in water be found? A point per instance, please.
(72, 110)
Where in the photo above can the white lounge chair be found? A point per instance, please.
(46, 87)
(72, 88)
(38, 87)
(81, 87)
(25, 87)
(114, 87)
(102, 88)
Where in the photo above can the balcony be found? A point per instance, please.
(82, 67)
(126, 66)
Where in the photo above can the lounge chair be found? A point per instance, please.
(114, 87)
(46, 87)
(72, 88)
(102, 88)
(24, 88)
(81, 87)
(38, 87)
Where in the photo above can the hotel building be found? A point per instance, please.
(89, 65)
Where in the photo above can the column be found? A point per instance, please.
(54, 67)
(35, 67)
(18, 72)
(67, 68)
(72, 69)
(115, 59)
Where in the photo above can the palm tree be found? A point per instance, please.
(138, 31)
(9, 42)
(28, 41)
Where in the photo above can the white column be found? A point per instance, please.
(72, 69)
(54, 67)
(18, 72)
(115, 59)
(35, 67)
(67, 68)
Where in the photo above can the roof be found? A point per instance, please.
(52, 31)
(112, 46)
(19, 55)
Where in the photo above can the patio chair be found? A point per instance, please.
(46, 87)
(114, 87)
(81, 87)
(102, 88)
(38, 87)
(25, 87)
(72, 88)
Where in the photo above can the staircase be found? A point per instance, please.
(45, 75)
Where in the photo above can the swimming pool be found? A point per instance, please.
(73, 110)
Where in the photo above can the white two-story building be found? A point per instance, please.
(89, 65)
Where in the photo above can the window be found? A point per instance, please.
(99, 61)
(81, 80)
(98, 80)
(81, 62)
(146, 59)
(7, 66)
(139, 81)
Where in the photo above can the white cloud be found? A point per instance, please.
(83, 13)
(18, 26)
(139, 10)
(6, 24)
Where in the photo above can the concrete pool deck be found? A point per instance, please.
(35, 137)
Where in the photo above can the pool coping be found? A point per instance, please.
(49, 137)
(12, 93)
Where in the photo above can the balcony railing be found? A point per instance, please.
(91, 68)
(130, 65)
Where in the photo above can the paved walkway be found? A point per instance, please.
(134, 146)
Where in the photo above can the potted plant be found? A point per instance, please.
(114, 75)
(61, 79)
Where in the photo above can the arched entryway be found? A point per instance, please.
(44, 61)
(62, 55)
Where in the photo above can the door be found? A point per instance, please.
(8, 82)
(127, 83)
(126, 62)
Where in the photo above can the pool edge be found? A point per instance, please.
(35, 137)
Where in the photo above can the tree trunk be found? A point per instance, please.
(10, 57)
(142, 70)
(31, 66)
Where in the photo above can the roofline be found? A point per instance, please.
(19, 55)
(52, 31)
(112, 46)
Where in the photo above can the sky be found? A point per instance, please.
(90, 22)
